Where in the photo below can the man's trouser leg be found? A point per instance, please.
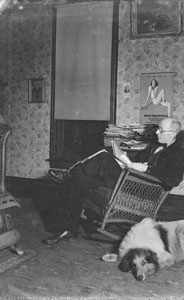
(100, 171)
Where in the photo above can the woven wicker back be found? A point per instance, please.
(137, 195)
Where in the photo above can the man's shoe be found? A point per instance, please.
(66, 235)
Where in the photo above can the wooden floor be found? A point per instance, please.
(74, 268)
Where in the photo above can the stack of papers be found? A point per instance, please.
(133, 136)
(118, 131)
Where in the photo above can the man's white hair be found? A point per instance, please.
(176, 125)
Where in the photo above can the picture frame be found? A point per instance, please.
(126, 89)
(156, 101)
(156, 18)
(36, 90)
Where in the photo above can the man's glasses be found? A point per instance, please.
(161, 130)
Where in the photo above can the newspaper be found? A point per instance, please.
(120, 156)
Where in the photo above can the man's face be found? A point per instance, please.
(166, 134)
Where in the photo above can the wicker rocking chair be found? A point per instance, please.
(135, 196)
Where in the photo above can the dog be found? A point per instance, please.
(149, 246)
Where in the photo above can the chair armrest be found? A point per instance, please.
(143, 175)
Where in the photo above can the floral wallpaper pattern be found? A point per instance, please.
(146, 55)
(30, 56)
(30, 52)
(3, 61)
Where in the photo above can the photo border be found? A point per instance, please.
(36, 91)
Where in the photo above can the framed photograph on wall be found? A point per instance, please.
(126, 89)
(156, 18)
(156, 97)
(36, 90)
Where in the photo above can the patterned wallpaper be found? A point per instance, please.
(146, 55)
(3, 62)
(30, 56)
(30, 51)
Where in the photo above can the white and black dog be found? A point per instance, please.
(148, 246)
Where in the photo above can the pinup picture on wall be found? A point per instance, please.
(156, 97)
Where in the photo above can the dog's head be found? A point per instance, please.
(141, 262)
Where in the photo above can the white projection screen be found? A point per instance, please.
(83, 61)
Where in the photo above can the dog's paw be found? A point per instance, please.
(110, 257)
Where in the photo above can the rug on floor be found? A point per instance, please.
(10, 260)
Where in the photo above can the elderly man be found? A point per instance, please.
(164, 160)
